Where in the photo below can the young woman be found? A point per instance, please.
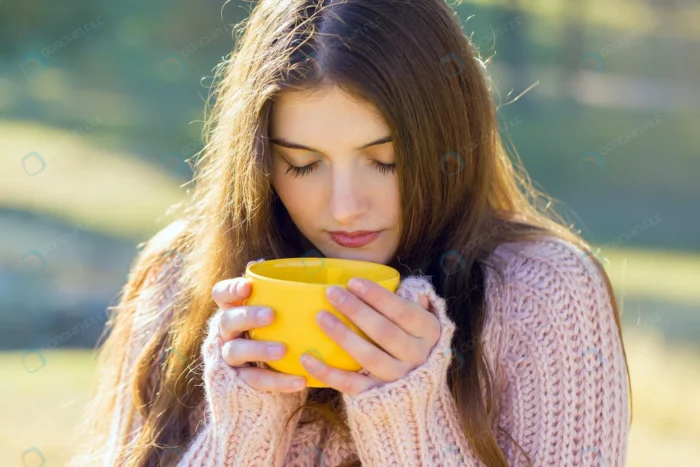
(502, 345)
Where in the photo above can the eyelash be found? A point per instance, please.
(301, 171)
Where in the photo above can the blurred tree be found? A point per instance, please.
(572, 48)
(512, 31)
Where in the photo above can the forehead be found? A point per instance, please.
(329, 118)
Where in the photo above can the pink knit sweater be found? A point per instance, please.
(550, 336)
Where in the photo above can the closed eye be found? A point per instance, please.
(307, 169)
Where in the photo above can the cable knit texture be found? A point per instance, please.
(550, 338)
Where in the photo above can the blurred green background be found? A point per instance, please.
(101, 103)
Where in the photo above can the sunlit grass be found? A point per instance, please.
(630, 15)
(41, 408)
(79, 181)
(654, 274)
(665, 385)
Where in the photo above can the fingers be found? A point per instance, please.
(411, 317)
(268, 380)
(231, 292)
(382, 330)
(348, 382)
(238, 352)
(373, 359)
(236, 321)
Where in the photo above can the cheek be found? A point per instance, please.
(391, 206)
(297, 197)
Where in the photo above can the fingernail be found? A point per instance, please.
(308, 360)
(265, 315)
(327, 319)
(298, 383)
(358, 285)
(275, 351)
(336, 294)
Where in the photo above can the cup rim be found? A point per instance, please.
(392, 274)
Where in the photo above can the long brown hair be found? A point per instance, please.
(461, 192)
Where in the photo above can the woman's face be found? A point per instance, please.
(341, 142)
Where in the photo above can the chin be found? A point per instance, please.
(361, 256)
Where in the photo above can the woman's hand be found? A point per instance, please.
(405, 330)
(238, 351)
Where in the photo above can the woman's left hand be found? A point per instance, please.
(405, 330)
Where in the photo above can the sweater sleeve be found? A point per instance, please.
(242, 426)
(245, 427)
(553, 340)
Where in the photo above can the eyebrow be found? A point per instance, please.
(288, 144)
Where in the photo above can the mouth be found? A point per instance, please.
(356, 239)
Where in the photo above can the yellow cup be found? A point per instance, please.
(295, 289)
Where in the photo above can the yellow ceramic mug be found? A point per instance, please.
(295, 289)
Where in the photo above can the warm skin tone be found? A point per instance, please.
(343, 143)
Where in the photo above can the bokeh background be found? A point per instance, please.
(102, 103)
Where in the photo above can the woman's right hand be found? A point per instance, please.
(238, 351)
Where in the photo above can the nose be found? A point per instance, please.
(348, 199)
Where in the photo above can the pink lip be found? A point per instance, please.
(354, 239)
